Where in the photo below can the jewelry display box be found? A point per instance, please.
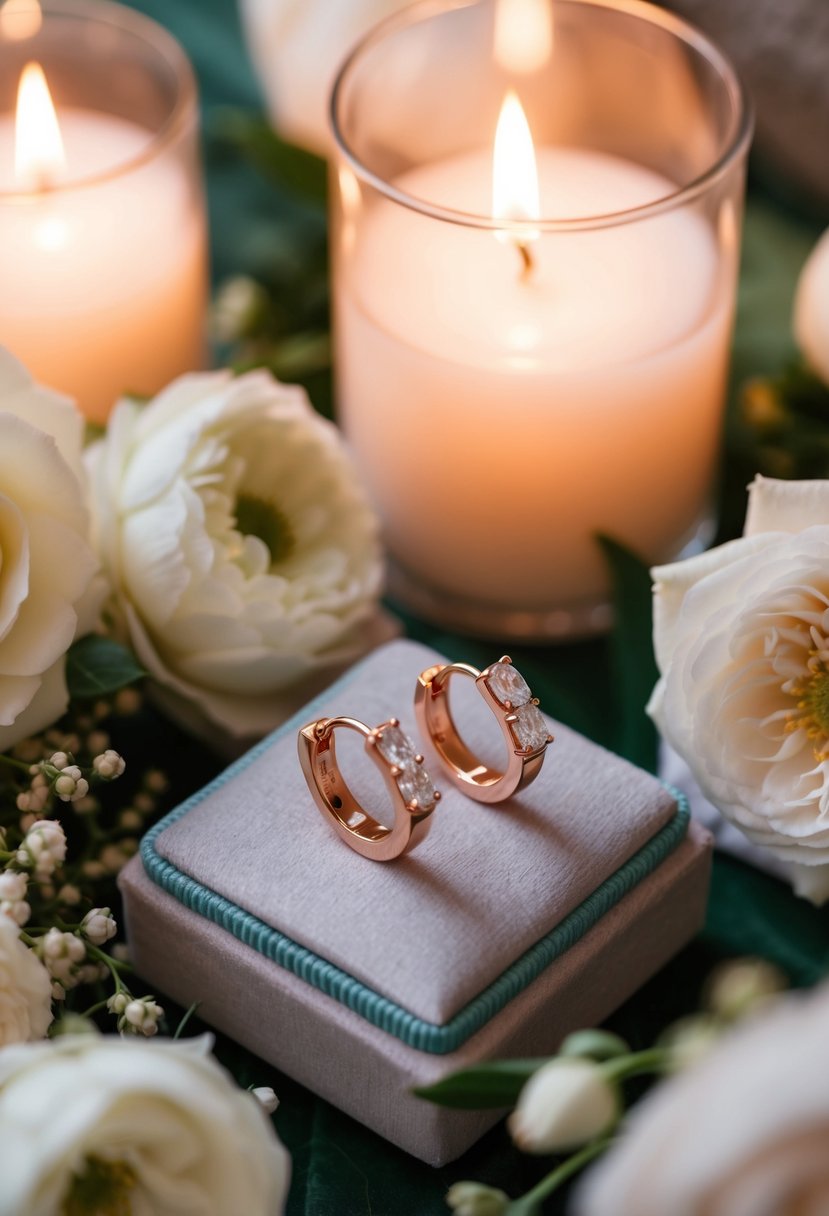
(509, 926)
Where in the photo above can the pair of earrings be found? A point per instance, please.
(414, 796)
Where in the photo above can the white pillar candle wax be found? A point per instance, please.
(102, 253)
(502, 419)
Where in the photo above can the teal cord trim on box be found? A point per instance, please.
(340, 986)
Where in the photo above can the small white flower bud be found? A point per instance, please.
(266, 1098)
(86, 806)
(93, 869)
(58, 992)
(118, 1003)
(97, 741)
(691, 1038)
(19, 911)
(145, 803)
(62, 954)
(475, 1199)
(127, 701)
(567, 1103)
(141, 1017)
(13, 886)
(112, 858)
(98, 926)
(102, 709)
(130, 819)
(156, 781)
(742, 986)
(43, 848)
(70, 895)
(109, 765)
(60, 760)
(71, 785)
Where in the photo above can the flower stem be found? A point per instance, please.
(18, 764)
(528, 1204)
(654, 1059)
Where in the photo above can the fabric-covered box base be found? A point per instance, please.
(510, 926)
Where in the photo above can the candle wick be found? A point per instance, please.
(527, 260)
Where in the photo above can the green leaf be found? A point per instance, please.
(484, 1086)
(633, 663)
(97, 666)
(304, 174)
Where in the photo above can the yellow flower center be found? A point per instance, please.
(101, 1189)
(812, 713)
(258, 517)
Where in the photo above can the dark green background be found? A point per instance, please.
(340, 1169)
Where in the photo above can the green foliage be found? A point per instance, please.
(484, 1086)
(97, 666)
(285, 165)
(594, 1045)
(633, 665)
(782, 424)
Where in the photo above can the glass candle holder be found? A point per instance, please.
(102, 227)
(533, 330)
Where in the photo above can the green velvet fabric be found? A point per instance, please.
(340, 1169)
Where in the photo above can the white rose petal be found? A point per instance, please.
(741, 1133)
(47, 564)
(742, 642)
(25, 991)
(243, 553)
(174, 1130)
(297, 47)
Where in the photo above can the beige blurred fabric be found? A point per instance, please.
(434, 928)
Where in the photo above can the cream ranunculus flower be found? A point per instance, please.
(297, 47)
(25, 989)
(104, 1124)
(742, 643)
(811, 309)
(46, 563)
(741, 1133)
(242, 551)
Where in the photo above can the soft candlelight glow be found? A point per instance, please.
(38, 147)
(515, 194)
(523, 34)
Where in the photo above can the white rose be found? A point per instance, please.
(741, 1133)
(742, 642)
(811, 309)
(243, 553)
(25, 990)
(46, 563)
(148, 1128)
(297, 47)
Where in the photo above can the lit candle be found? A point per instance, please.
(102, 250)
(504, 411)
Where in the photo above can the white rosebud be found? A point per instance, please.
(60, 760)
(740, 987)
(109, 765)
(98, 926)
(43, 848)
(62, 954)
(475, 1199)
(71, 785)
(567, 1103)
(266, 1098)
(141, 1017)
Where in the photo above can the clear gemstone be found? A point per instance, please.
(395, 746)
(507, 684)
(416, 786)
(530, 729)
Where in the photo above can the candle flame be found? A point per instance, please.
(523, 34)
(515, 193)
(38, 148)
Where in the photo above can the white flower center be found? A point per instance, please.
(103, 1188)
(812, 712)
